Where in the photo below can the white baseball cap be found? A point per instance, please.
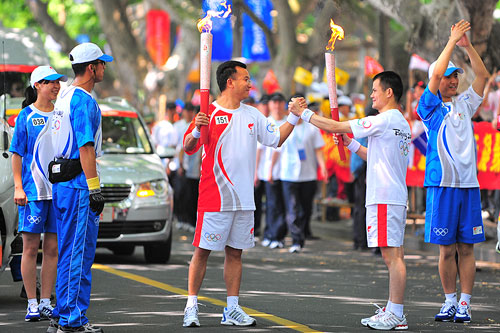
(451, 68)
(344, 100)
(45, 73)
(87, 52)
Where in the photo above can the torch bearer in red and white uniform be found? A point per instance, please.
(337, 32)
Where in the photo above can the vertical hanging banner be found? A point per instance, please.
(254, 40)
(158, 36)
(222, 30)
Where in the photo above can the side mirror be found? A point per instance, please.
(165, 152)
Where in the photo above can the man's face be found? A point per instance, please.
(241, 83)
(344, 109)
(449, 85)
(99, 70)
(276, 108)
(378, 96)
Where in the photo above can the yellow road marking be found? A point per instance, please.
(160, 285)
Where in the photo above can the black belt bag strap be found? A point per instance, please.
(63, 170)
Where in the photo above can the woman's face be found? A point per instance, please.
(48, 89)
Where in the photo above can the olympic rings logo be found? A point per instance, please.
(212, 237)
(364, 123)
(440, 231)
(404, 147)
(34, 219)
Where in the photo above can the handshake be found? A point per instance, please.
(297, 105)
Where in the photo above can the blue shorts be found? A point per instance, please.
(37, 217)
(453, 215)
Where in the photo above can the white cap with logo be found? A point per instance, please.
(45, 73)
(451, 68)
(87, 52)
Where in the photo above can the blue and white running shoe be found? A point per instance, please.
(236, 316)
(447, 312)
(463, 314)
(46, 311)
(32, 313)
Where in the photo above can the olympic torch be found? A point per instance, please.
(337, 32)
(205, 28)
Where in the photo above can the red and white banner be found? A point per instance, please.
(419, 63)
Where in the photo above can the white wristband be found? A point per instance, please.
(306, 115)
(354, 146)
(292, 119)
(195, 133)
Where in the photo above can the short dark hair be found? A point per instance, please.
(79, 69)
(171, 105)
(390, 79)
(189, 107)
(225, 71)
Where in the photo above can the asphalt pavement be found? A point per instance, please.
(326, 288)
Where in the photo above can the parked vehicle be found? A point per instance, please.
(8, 210)
(139, 198)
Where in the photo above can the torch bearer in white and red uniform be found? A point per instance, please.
(337, 32)
(205, 27)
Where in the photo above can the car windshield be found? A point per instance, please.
(124, 135)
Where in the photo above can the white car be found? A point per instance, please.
(139, 198)
(8, 210)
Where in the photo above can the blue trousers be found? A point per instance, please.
(77, 228)
(299, 198)
(275, 212)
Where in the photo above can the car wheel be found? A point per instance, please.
(123, 250)
(158, 253)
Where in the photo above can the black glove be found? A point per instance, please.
(96, 201)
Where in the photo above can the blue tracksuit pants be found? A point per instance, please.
(77, 228)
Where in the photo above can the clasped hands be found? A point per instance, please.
(297, 105)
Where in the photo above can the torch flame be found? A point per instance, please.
(205, 24)
(337, 32)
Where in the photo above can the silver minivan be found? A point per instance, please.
(139, 198)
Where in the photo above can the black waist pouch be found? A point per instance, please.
(63, 170)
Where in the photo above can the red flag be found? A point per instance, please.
(417, 62)
(270, 82)
(158, 36)
(372, 67)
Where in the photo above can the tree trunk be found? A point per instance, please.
(131, 57)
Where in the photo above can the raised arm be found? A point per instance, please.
(477, 65)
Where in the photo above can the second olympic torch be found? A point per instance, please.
(337, 32)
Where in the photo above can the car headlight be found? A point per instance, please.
(152, 188)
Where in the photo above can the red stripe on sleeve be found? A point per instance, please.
(382, 225)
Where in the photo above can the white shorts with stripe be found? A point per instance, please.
(385, 225)
(216, 230)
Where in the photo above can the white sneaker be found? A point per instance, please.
(265, 242)
(295, 248)
(379, 312)
(276, 245)
(236, 316)
(191, 317)
(388, 321)
(463, 314)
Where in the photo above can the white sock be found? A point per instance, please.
(388, 306)
(32, 301)
(44, 302)
(451, 298)
(397, 309)
(232, 301)
(465, 298)
(192, 301)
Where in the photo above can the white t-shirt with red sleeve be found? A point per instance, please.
(389, 137)
(228, 160)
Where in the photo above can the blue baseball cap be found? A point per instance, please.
(451, 68)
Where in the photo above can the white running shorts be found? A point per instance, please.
(385, 225)
(216, 230)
